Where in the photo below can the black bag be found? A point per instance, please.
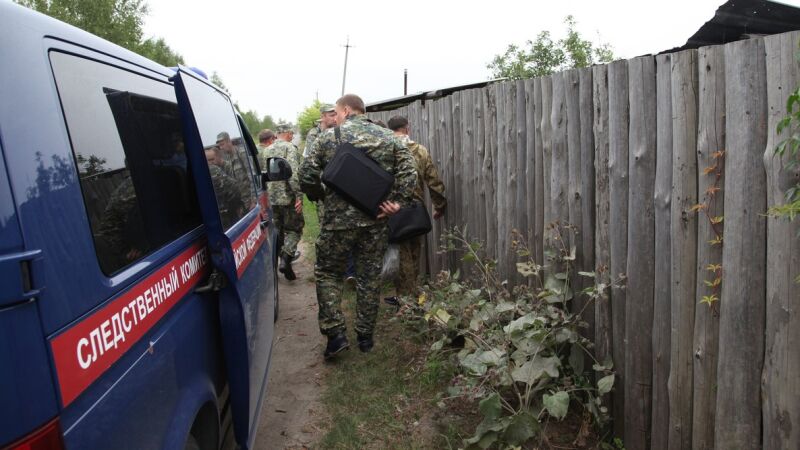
(409, 222)
(357, 178)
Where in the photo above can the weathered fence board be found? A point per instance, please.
(531, 165)
(509, 177)
(521, 170)
(573, 126)
(478, 169)
(559, 165)
(490, 114)
(710, 139)
(663, 254)
(618, 221)
(781, 378)
(684, 245)
(539, 181)
(547, 152)
(602, 318)
(742, 312)
(501, 185)
(587, 184)
(641, 252)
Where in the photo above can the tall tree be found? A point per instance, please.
(545, 56)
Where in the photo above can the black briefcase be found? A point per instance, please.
(358, 178)
(409, 222)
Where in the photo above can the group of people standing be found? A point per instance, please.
(347, 234)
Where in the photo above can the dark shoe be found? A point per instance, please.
(296, 256)
(336, 345)
(286, 269)
(365, 343)
(393, 301)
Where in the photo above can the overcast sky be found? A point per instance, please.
(276, 57)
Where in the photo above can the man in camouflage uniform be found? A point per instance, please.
(235, 164)
(327, 119)
(345, 229)
(427, 175)
(285, 198)
(265, 138)
(229, 198)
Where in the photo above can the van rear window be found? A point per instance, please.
(128, 146)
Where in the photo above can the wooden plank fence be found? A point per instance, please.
(625, 152)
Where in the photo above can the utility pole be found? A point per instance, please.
(347, 47)
(405, 82)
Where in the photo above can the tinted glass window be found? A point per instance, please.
(225, 148)
(127, 141)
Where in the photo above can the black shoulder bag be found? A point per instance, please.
(355, 176)
(409, 222)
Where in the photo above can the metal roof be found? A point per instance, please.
(399, 102)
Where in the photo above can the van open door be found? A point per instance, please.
(238, 243)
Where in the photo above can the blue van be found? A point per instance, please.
(138, 287)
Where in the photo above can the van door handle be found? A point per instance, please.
(215, 282)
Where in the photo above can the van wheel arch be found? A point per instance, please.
(205, 433)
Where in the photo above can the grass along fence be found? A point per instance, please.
(666, 166)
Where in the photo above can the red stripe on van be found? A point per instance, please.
(247, 244)
(85, 351)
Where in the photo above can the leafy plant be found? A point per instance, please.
(716, 170)
(518, 352)
(791, 147)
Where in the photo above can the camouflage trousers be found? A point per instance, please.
(290, 227)
(406, 282)
(367, 244)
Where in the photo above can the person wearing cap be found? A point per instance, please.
(286, 198)
(236, 166)
(327, 119)
(345, 229)
(427, 175)
(265, 138)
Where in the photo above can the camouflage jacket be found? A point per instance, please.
(310, 138)
(380, 145)
(427, 175)
(229, 195)
(282, 192)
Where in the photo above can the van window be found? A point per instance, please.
(226, 151)
(126, 138)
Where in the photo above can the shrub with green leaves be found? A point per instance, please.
(519, 352)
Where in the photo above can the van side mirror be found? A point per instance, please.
(278, 169)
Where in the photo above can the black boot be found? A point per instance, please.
(336, 345)
(365, 343)
(285, 268)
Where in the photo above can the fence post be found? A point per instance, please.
(489, 168)
(547, 152)
(618, 222)
(587, 183)
(521, 172)
(602, 312)
(533, 168)
(641, 252)
(780, 382)
(742, 309)
(661, 296)
(684, 245)
(710, 139)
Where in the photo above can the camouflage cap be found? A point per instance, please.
(326, 107)
(223, 136)
(284, 128)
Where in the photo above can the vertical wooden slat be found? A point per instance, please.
(477, 169)
(641, 252)
(573, 101)
(521, 171)
(547, 152)
(663, 258)
(618, 221)
(457, 219)
(501, 184)
(559, 169)
(530, 164)
(710, 139)
(780, 381)
(587, 184)
(489, 169)
(539, 182)
(602, 318)
(467, 155)
(684, 245)
(742, 312)
(509, 176)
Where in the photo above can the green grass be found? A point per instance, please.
(387, 399)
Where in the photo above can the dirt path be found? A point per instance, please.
(292, 409)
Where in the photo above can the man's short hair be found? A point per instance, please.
(397, 122)
(265, 135)
(223, 136)
(353, 101)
